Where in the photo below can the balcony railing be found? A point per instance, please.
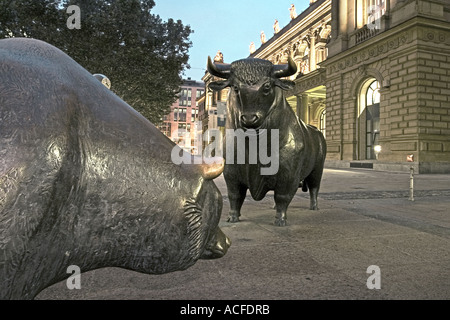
(365, 33)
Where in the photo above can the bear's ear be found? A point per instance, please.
(219, 85)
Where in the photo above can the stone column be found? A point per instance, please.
(339, 28)
(334, 20)
(302, 107)
(312, 51)
(343, 17)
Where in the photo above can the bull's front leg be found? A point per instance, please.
(236, 195)
(282, 202)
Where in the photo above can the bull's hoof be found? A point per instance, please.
(315, 208)
(280, 222)
(233, 219)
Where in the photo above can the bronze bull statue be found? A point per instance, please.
(256, 104)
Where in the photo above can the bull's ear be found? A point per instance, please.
(285, 84)
(218, 85)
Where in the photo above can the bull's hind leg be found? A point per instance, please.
(236, 195)
(313, 184)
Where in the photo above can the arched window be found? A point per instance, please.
(373, 93)
(323, 122)
(372, 119)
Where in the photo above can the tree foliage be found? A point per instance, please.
(143, 56)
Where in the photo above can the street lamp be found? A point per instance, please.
(377, 149)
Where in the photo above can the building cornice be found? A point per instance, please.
(383, 44)
(308, 81)
(310, 18)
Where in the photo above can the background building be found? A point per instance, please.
(374, 76)
(304, 39)
(184, 114)
(214, 105)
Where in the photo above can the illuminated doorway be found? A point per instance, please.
(369, 120)
(323, 122)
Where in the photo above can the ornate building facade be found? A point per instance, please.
(374, 76)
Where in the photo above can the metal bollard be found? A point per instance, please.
(411, 183)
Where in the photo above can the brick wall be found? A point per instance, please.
(402, 113)
(434, 105)
(334, 109)
(414, 66)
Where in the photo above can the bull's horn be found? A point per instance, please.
(221, 70)
(213, 170)
(285, 70)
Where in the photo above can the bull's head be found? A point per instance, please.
(256, 86)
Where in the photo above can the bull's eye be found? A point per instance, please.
(266, 89)
(235, 88)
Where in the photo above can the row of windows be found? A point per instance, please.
(179, 114)
(168, 127)
(185, 98)
(186, 126)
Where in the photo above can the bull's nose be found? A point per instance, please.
(249, 119)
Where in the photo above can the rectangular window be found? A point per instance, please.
(182, 115)
(374, 10)
(189, 97)
(369, 12)
(199, 93)
(182, 101)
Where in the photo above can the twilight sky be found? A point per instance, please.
(228, 26)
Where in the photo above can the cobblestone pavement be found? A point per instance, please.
(365, 220)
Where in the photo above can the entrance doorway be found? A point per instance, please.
(369, 120)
